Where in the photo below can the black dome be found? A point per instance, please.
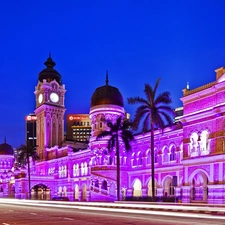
(6, 149)
(50, 74)
(107, 95)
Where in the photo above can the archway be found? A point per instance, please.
(168, 188)
(40, 192)
(76, 192)
(137, 188)
(150, 187)
(84, 193)
(104, 185)
(199, 188)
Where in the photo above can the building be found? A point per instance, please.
(192, 150)
(31, 129)
(78, 127)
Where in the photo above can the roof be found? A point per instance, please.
(6, 149)
(50, 74)
(107, 95)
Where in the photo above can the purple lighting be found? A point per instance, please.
(193, 152)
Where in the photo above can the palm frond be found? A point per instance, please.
(146, 123)
(136, 100)
(149, 94)
(118, 123)
(103, 134)
(140, 112)
(167, 117)
(156, 87)
(158, 121)
(109, 124)
(167, 109)
(163, 98)
(111, 143)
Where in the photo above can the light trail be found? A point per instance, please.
(133, 208)
(121, 205)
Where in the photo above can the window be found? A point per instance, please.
(204, 143)
(149, 157)
(165, 155)
(156, 156)
(140, 159)
(173, 154)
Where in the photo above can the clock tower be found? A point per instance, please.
(50, 109)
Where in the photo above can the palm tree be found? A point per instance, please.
(156, 113)
(118, 130)
(24, 154)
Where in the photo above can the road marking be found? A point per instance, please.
(33, 213)
(67, 218)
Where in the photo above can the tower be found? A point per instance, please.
(50, 109)
(106, 104)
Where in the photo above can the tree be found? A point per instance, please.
(156, 113)
(116, 131)
(24, 154)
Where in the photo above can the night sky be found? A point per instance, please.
(136, 41)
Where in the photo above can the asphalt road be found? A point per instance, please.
(38, 215)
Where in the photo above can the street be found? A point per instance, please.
(36, 215)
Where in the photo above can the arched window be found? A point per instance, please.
(165, 155)
(85, 169)
(77, 170)
(104, 185)
(97, 184)
(194, 144)
(82, 169)
(173, 153)
(74, 170)
(140, 159)
(148, 157)
(60, 171)
(204, 144)
(156, 156)
(134, 159)
(65, 171)
(111, 160)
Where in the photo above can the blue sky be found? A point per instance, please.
(136, 41)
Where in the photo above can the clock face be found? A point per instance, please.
(54, 97)
(40, 98)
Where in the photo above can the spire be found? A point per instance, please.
(107, 79)
(5, 140)
(188, 86)
(49, 62)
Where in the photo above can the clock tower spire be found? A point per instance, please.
(50, 109)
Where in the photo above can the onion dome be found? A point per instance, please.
(6, 149)
(107, 95)
(50, 74)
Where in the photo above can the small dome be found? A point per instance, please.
(6, 149)
(50, 74)
(107, 95)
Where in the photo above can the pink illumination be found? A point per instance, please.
(194, 152)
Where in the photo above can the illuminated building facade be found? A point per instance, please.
(78, 127)
(191, 152)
